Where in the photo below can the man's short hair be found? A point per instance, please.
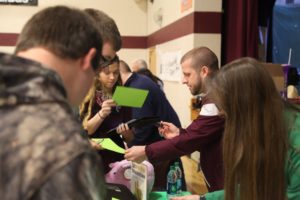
(107, 27)
(202, 56)
(66, 32)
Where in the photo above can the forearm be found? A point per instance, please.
(93, 123)
(167, 149)
(188, 141)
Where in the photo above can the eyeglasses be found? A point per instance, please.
(106, 61)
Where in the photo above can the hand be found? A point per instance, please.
(106, 107)
(168, 130)
(187, 197)
(124, 130)
(136, 154)
(95, 145)
(92, 124)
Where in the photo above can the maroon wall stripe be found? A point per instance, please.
(197, 22)
(8, 39)
(179, 28)
(134, 42)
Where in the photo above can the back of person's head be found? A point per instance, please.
(145, 72)
(139, 64)
(124, 67)
(107, 27)
(202, 56)
(148, 73)
(255, 134)
(66, 32)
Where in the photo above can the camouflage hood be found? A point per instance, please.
(24, 81)
(41, 145)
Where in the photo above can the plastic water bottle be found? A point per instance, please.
(179, 177)
(172, 182)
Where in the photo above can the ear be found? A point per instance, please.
(86, 61)
(204, 70)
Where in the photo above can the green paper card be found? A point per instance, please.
(108, 144)
(131, 97)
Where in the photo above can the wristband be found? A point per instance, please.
(100, 116)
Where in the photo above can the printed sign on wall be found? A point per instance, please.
(169, 65)
(19, 2)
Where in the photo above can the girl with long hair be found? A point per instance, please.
(261, 146)
(99, 113)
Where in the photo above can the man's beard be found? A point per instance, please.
(196, 90)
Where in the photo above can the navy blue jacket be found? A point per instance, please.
(156, 104)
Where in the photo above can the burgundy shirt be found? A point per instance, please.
(204, 134)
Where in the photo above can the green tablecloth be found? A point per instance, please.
(160, 195)
(163, 195)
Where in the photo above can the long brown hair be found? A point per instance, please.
(85, 108)
(255, 137)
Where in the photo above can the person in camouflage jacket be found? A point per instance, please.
(43, 156)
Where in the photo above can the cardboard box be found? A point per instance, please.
(276, 72)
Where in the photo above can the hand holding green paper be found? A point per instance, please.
(107, 143)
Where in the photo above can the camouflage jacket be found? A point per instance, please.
(43, 156)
